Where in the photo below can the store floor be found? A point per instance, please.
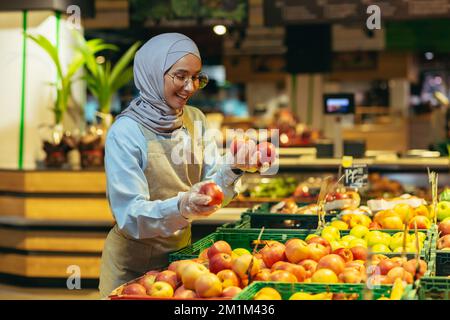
(8, 292)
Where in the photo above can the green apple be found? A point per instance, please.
(348, 238)
(336, 245)
(387, 238)
(359, 231)
(376, 237)
(422, 236)
(398, 249)
(379, 247)
(443, 210)
(412, 248)
(328, 237)
(397, 240)
(357, 242)
(330, 232)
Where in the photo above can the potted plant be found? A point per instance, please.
(60, 142)
(103, 81)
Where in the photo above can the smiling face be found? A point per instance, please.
(177, 96)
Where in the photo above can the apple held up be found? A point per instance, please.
(214, 191)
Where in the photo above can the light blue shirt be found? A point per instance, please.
(127, 186)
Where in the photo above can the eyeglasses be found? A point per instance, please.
(199, 81)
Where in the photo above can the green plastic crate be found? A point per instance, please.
(434, 288)
(237, 238)
(261, 217)
(243, 223)
(288, 289)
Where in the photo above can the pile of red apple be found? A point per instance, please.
(218, 272)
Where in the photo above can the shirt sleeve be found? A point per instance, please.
(127, 187)
(215, 168)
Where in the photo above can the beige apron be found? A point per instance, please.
(124, 258)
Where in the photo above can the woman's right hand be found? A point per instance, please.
(193, 204)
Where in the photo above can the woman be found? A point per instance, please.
(153, 196)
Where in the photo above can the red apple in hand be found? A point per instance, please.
(266, 153)
(237, 143)
(219, 247)
(214, 191)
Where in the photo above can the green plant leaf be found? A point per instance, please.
(123, 62)
(51, 50)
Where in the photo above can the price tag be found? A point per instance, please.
(356, 176)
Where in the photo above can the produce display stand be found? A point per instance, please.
(286, 290)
